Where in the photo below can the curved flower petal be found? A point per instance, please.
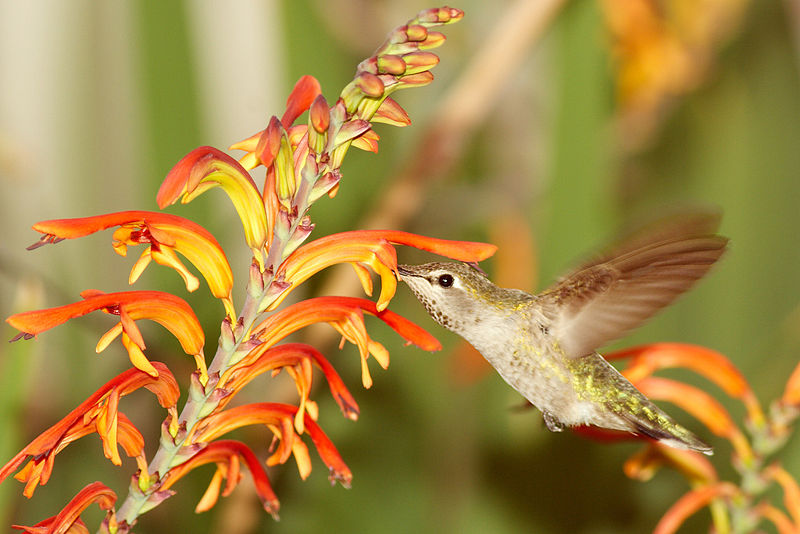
(370, 247)
(344, 314)
(226, 454)
(275, 416)
(776, 516)
(265, 358)
(164, 233)
(207, 167)
(791, 394)
(170, 311)
(791, 489)
(300, 99)
(70, 514)
(690, 503)
(81, 421)
(695, 467)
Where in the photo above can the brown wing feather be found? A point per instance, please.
(679, 225)
(603, 301)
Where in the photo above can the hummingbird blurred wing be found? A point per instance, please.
(606, 298)
(679, 225)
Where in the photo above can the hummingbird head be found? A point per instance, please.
(456, 295)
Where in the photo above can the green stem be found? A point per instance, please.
(136, 503)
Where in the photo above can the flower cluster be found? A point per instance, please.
(734, 507)
(302, 162)
(663, 51)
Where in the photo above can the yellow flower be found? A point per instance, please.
(206, 167)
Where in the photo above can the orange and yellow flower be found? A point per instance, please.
(165, 234)
(370, 248)
(227, 454)
(345, 314)
(206, 167)
(99, 413)
(170, 311)
(296, 359)
(279, 419)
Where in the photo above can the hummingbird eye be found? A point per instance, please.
(445, 280)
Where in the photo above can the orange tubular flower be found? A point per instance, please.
(206, 167)
(345, 314)
(170, 311)
(39, 468)
(226, 454)
(791, 394)
(791, 490)
(98, 414)
(278, 418)
(695, 467)
(305, 91)
(165, 234)
(296, 358)
(690, 503)
(68, 519)
(370, 248)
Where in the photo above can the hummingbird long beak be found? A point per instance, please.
(406, 270)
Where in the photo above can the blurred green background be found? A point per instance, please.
(99, 100)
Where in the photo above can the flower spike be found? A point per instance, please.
(302, 160)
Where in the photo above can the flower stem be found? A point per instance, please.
(198, 404)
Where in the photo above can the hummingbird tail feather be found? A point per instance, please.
(677, 437)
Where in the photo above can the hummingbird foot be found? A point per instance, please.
(553, 424)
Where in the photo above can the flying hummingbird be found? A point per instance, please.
(545, 345)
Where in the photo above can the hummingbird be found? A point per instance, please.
(545, 345)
